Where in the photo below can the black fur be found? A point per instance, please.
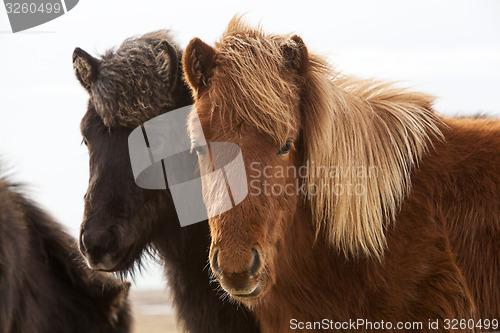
(45, 286)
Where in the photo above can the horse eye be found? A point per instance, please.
(84, 141)
(283, 150)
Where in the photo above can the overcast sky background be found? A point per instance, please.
(447, 48)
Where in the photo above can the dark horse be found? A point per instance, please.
(141, 80)
(45, 285)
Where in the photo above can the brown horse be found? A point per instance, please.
(363, 206)
(45, 285)
(123, 222)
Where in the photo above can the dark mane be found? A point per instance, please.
(129, 89)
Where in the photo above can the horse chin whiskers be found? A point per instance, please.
(254, 294)
(105, 264)
(137, 264)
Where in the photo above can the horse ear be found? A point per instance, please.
(86, 68)
(295, 54)
(167, 62)
(199, 63)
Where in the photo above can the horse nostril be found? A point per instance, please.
(215, 263)
(83, 249)
(255, 262)
(95, 244)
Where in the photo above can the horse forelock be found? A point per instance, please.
(251, 83)
(129, 89)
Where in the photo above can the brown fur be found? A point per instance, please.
(420, 242)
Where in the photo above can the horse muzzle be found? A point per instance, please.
(241, 281)
(101, 250)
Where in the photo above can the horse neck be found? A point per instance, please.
(303, 264)
(179, 245)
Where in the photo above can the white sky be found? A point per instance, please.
(447, 48)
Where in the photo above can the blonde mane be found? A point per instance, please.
(350, 124)
(247, 80)
(345, 124)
